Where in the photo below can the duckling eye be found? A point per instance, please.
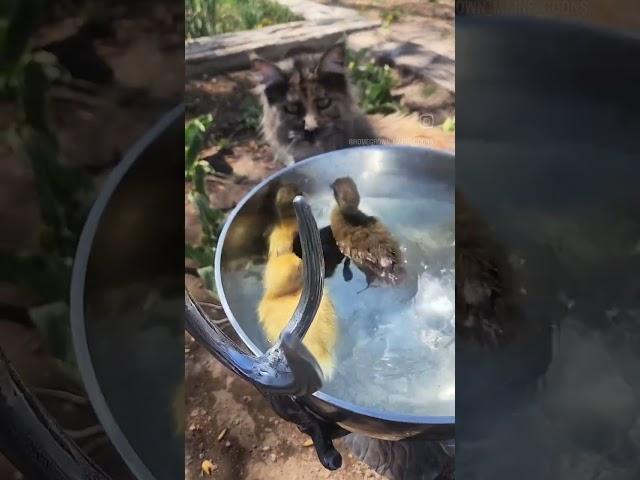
(323, 103)
(292, 108)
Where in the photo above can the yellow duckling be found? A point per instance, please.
(286, 229)
(282, 291)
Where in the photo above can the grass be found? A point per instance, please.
(213, 17)
(251, 114)
(374, 83)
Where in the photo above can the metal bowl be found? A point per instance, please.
(390, 171)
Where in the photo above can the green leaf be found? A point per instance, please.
(449, 124)
(208, 277)
(202, 255)
(199, 174)
(194, 137)
(22, 24)
(52, 320)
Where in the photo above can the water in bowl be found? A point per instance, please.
(396, 347)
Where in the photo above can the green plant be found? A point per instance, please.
(196, 170)
(63, 193)
(200, 18)
(374, 83)
(251, 114)
(449, 124)
(391, 16)
(212, 17)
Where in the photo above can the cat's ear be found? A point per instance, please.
(333, 60)
(266, 72)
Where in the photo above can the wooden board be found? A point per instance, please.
(230, 51)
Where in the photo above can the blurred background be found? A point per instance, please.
(81, 81)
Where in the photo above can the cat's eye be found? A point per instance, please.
(292, 108)
(323, 103)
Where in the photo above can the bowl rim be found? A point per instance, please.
(443, 420)
(77, 293)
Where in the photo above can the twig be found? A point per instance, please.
(211, 305)
(61, 395)
(67, 95)
(85, 432)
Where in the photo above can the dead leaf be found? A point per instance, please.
(208, 467)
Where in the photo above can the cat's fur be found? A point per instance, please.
(308, 105)
(309, 108)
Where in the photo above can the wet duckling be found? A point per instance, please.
(483, 282)
(283, 233)
(364, 239)
(282, 291)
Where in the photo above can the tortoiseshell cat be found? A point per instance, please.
(309, 108)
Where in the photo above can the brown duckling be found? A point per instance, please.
(285, 230)
(483, 283)
(363, 238)
(282, 291)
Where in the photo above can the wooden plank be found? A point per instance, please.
(212, 55)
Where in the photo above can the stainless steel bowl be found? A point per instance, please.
(389, 171)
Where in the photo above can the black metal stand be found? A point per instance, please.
(321, 432)
(32, 441)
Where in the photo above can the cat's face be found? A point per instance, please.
(306, 102)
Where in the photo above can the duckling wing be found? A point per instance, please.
(374, 250)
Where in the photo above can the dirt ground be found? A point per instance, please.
(228, 422)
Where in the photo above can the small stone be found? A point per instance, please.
(227, 444)
(246, 399)
(208, 467)
(273, 457)
(266, 448)
(309, 443)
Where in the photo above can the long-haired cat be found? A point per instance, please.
(309, 108)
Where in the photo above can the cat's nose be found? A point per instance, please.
(310, 123)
